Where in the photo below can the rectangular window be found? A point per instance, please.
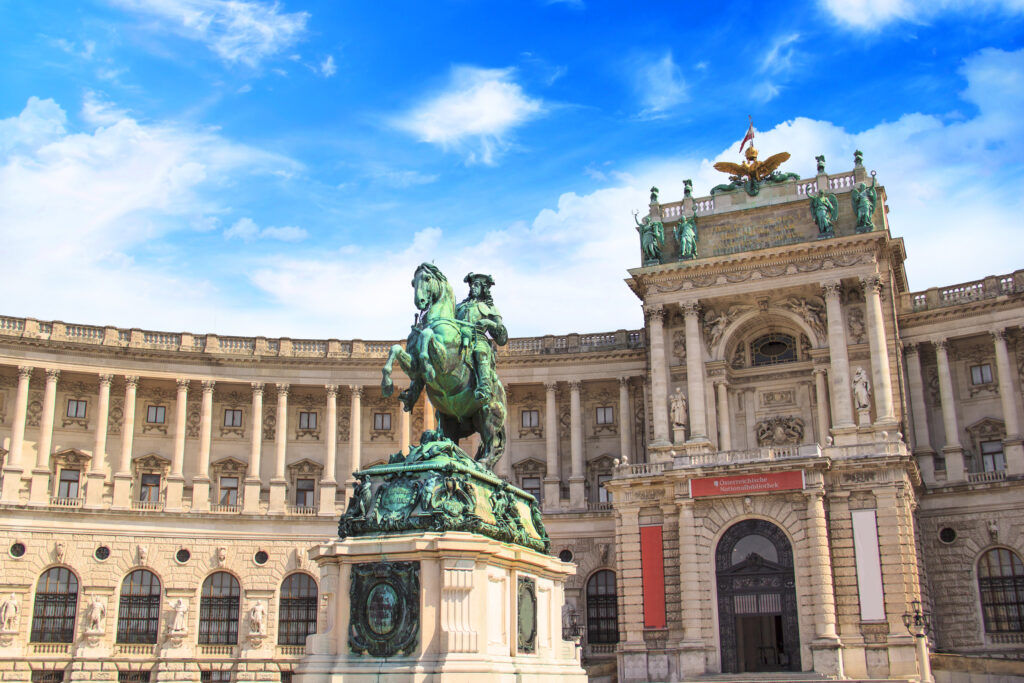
(532, 486)
(53, 676)
(232, 417)
(68, 484)
(132, 677)
(229, 490)
(215, 677)
(605, 415)
(603, 495)
(981, 374)
(992, 458)
(307, 420)
(149, 488)
(382, 422)
(155, 415)
(305, 490)
(76, 408)
(531, 418)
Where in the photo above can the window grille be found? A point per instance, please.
(53, 614)
(1001, 584)
(602, 608)
(298, 610)
(218, 611)
(215, 677)
(132, 677)
(48, 676)
(138, 619)
(773, 349)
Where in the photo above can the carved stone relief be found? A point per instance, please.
(780, 431)
(855, 325)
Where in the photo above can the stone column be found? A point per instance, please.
(278, 485)
(40, 491)
(659, 374)
(429, 416)
(329, 483)
(578, 475)
(689, 583)
(1013, 447)
(826, 648)
(625, 420)
(404, 429)
(97, 476)
(695, 373)
(877, 343)
(176, 479)
(839, 369)
(123, 476)
(553, 477)
(750, 410)
(724, 419)
(201, 479)
(12, 466)
(923, 450)
(251, 497)
(356, 436)
(821, 390)
(953, 450)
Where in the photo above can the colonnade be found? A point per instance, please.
(835, 416)
(953, 449)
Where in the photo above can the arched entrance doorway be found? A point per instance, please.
(757, 617)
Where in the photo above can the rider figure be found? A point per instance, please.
(479, 310)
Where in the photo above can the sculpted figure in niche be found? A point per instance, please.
(94, 615)
(855, 320)
(9, 613)
(479, 310)
(861, 389)
(677, 405)
(258, 618)
(179, 621)
(864, 199)
(652, 237)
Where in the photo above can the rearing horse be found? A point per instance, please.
(436, 359)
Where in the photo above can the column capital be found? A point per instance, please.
(283, 389)
(332, 390)
(356, 389)
(106, 380)
(690, 308)
(257, 388)
(999, 335)
(832, 289)
(25, 371)
(820, 370)
(52, 374)
(208, 385)
(624, 381)
(551, 387)
(942, 345)
(183, 384)
(574, 385)
(871, 283)
(911, 348)
(131, 381)
(654, 312)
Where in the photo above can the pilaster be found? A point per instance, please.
(39, 494)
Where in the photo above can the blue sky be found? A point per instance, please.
(250, 167)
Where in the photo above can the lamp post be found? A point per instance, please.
(919, 623)
(572, 629)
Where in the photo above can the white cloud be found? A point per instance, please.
(873, 14)
(85, 51)
(327, 67)
(245, 31)
(659, 83)
(83, 216)
(401, 178)
(474, 114)
(765, 91)
(246, 230)
(780, 56)
(98, 112)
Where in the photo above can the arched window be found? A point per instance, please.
(1001, 584)
(298, 610)
(218, 610)
(138, 616)
(602, 608)
(772, 349)
(53, 615)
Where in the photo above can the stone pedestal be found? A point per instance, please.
(439, 606)
(864, 417)
(175, 488)
(278, 496)
(201, 494)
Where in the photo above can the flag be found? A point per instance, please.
(749, 137)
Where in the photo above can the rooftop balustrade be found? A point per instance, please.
(991, 287)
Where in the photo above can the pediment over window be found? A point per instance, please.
(71, 458)
(987, 428)
(305, 468)
(152, 462)
(530, 467)
(602, 463)
(229, 467)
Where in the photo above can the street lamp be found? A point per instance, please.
(919, 623)
(572, 629)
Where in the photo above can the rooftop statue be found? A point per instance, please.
(825, 209)
(652, 238)
(686, 235)
(752, 174)
(864, 199)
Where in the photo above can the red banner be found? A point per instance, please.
(652, 573)
(747, 483)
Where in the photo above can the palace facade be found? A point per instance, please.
(793, 457)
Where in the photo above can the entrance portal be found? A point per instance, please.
(757, 617)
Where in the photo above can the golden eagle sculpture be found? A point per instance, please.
(753, 173)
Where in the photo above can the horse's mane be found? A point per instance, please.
(435, 272)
